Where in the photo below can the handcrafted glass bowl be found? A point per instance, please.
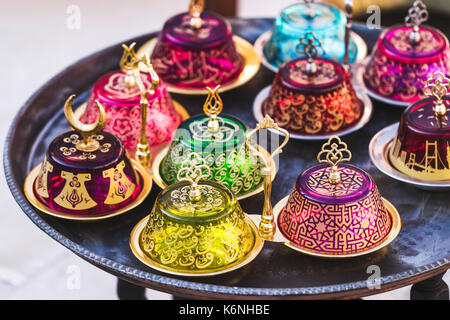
(343, 220)
(325, 103)
(81, 185)
(207, 237)
(122, 106)
(231, 162)
(324, 20)
(421, 147)
(397, 71)
(189, 58)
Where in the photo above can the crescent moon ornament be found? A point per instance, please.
(87, 144)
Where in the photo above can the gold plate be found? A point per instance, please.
(137, 251)
(243, 47)
(395, 229)
(160, 182)
(29, 193)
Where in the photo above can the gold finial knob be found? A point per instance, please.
(309, 45)
(267, 225)
(196, 8)
(333, 152)
(143, 150)
(437, 86)
(87, 144)
(192, 170)
(417, 15)
(213, 107)
(127, 61)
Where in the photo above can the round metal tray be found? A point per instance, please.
(420, 251)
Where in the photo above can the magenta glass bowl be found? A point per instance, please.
(421, 148)
(335, 220)
(399, 70)
(122, 107)
(191, 58)
(323, 103)
(86, 184)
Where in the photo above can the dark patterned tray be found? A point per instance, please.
(421, 250)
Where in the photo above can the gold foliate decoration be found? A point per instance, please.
(193, 169)
(42, 178)
(417, 15)
(127, 61)
(213, 107)
(196, 8)
(120, 187)
(333, 152)
(437, 86)
(310, 46)
(267, 225)
(74, 195)
(87, 131)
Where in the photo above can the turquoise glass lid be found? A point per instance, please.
(324, 20)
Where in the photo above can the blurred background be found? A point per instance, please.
(38, 41)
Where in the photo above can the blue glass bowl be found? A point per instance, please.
(324, 20)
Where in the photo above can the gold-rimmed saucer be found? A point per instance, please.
(244, 48)
(157, 160)
(141, 256)
(142, 175)
(395, 229)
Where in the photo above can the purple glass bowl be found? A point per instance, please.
(86, 184)
(335, 220)
(196, 58)
(398, 70)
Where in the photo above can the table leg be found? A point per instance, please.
(433, 288)
(129, 291)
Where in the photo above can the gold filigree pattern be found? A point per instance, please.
(120, 186)
(197, 247)
(74, 139)
(42, 178)
(335, 229)
(351, 182)
(74, 195)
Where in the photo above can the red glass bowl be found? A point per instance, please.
(398, 71)
(79, 185)
(122, 107)
(346, 219)
(190, 58)
(421, 148)
(324, 103)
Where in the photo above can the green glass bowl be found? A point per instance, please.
(231, 162)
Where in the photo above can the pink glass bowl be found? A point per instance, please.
(86, 184)
(325, 103)
(421, 148)
(398, 70)
(334, 220)
(195, 58)
(122, 107)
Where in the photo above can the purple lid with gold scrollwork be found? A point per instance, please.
(213, 31)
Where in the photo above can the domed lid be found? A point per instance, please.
(333, 182)
(430, 115)
(196, 29)
(88, 147)
(311, 73)
(314, 17)
(413, 41)
(192, 200)
(211, 131)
